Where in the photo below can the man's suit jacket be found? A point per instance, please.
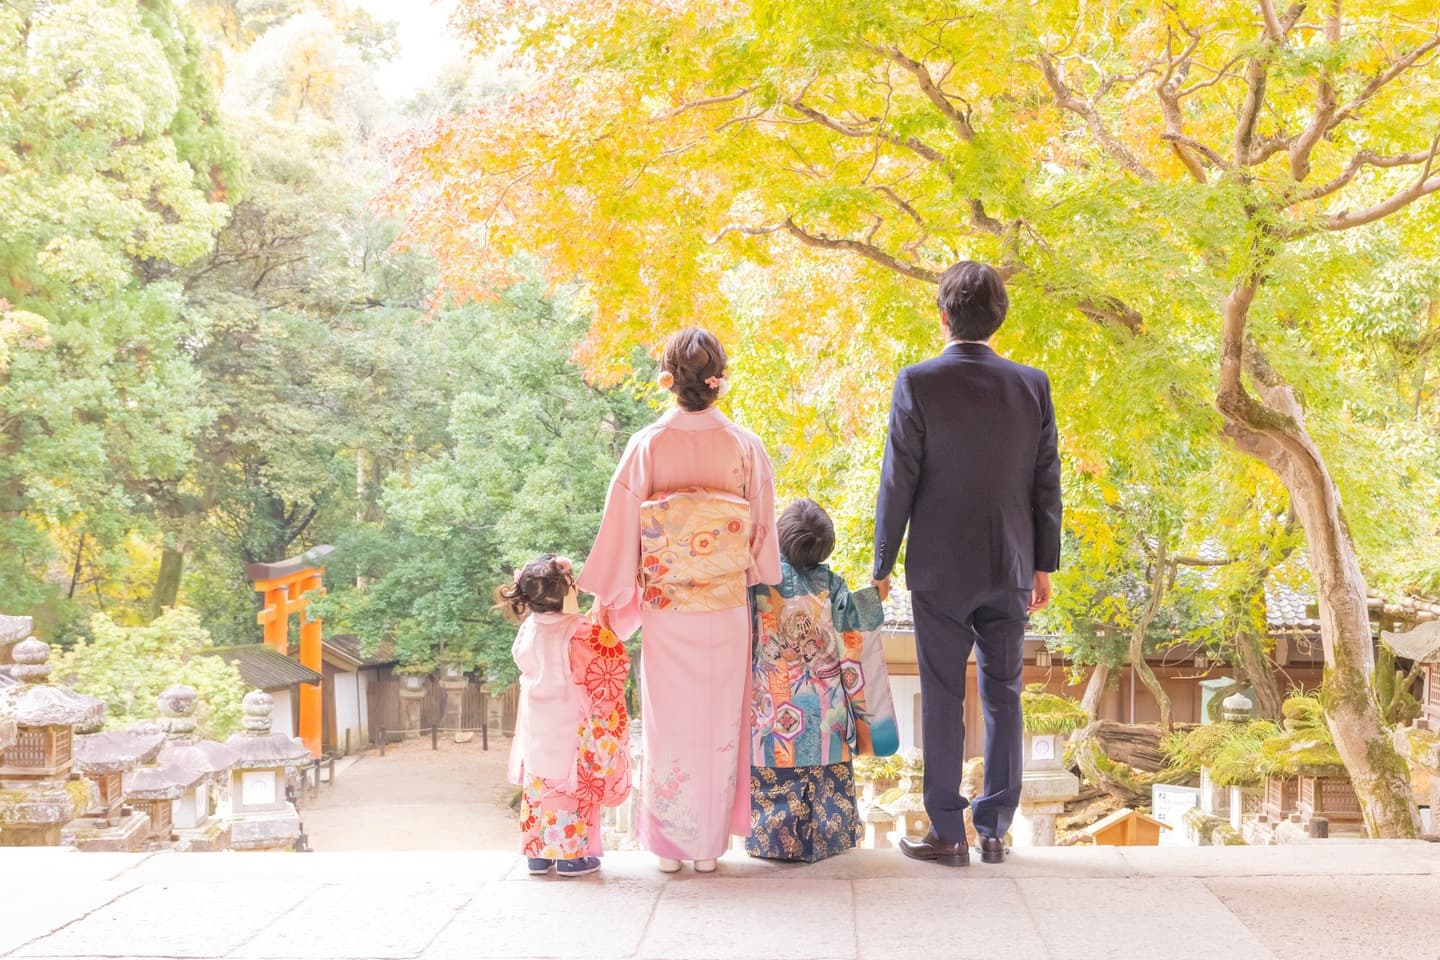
(971, 467)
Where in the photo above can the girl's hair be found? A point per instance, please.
(807, 536)
(540, 587)
(694, 356)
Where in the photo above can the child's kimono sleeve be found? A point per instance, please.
(600, 664)
(857, 610)
(858, 616)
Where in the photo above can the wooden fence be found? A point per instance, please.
(388, 710)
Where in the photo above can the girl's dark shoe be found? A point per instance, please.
(578, 867)
(539, 867)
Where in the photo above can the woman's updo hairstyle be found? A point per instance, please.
(540, 587)
(693, 357)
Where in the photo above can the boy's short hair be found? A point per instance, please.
(807, 536)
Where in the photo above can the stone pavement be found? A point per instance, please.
(1329, 899)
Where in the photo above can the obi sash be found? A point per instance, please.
(694, 551)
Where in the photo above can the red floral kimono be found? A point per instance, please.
(571, 754)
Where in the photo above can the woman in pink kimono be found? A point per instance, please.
(689, 526)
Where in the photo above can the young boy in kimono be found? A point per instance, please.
(571, 753)
(819, 697)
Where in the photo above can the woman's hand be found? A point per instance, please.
(600, 616)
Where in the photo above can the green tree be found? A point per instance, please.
(532, 450)
(128, 667)
(99, 122)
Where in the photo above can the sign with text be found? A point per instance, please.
(1168, 805)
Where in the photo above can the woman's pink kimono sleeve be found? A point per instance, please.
(612, 569)
(764, 540)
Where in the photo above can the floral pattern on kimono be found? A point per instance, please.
(559, 819)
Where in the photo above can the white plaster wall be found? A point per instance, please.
(347, 710)
(282, 718)
(906, 692)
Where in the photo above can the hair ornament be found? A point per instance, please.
(714, 382)
(666, 379)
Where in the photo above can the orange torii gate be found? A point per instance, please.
(284, 586)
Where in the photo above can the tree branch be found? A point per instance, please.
(1257, 75)
(1365, 158)
(960, 121)
(914, 144)
(1066, 99)
(1378, 82)
(707, 102)
(867, 250)
(1423, 185)
(1324, 104)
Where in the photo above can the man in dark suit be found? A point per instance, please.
(971, 467)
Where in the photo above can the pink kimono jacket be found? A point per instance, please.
(694, 666)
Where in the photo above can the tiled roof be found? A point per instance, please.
(264, 668)
(1287, 606)
(898, 612)
(349, 645)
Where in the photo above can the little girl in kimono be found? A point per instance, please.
(571, 753)
(821, 695)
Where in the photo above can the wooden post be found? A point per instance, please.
(311, 699)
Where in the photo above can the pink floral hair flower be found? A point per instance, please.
(713, 383)
(666, 379)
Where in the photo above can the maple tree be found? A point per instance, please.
(1156, 181)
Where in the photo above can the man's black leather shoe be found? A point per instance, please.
(992, 850)
(934, 849)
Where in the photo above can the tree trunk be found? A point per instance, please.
(167, 582)
(1256, 667)
(1137, 636)
(1095, 690)
(1274, 432)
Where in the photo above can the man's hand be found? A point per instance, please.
(1040, 596)
(882, 587)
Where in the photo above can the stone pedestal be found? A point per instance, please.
(33, 814)
(1214, 799)
(123, 834)
(412, 704)
(454, 702)
(1045, 788)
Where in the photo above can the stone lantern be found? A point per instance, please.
(190, 812)
(1045, 787)
(104, 759)
(261, 816)
(34, 800)
(412, 701)
(155, 786)
(1045, 784)
(453, 684)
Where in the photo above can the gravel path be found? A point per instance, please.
(415, 798)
